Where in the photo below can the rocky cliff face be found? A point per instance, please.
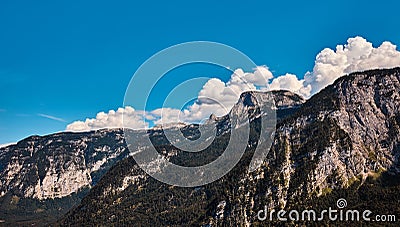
(286, 99)
(62, 165)
(58, 165)
(331, 142)
(335, 140)
(347, 132)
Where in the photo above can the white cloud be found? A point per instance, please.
(260, 77)
(290, 82)
(112, 119)
(218, 97)
(165, 115)
(357, 55)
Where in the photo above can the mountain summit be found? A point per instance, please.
(344, 141)
(329, 145)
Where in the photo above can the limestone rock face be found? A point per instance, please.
(58, 165)
(350, 130)
(347, 131)
(287, 99)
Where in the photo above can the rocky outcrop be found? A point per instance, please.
(287, 99)
(338, 137)
(346, 132)
(58, 165)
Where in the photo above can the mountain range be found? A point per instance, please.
(343, 142)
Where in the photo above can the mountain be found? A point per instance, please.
(341, 143)
(42, 177)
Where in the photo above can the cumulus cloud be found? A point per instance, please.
(113, 119)
(357, 55)
(260, 77)
(218, 97)
(215, 97)
(165, 115)
(292, 83)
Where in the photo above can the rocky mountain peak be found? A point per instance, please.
(331, 142)
(58, 165)
(282, 98)
(345, 133)
(287, 99)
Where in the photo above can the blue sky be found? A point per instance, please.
(72, 59)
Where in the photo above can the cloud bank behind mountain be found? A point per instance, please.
(218, 97)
